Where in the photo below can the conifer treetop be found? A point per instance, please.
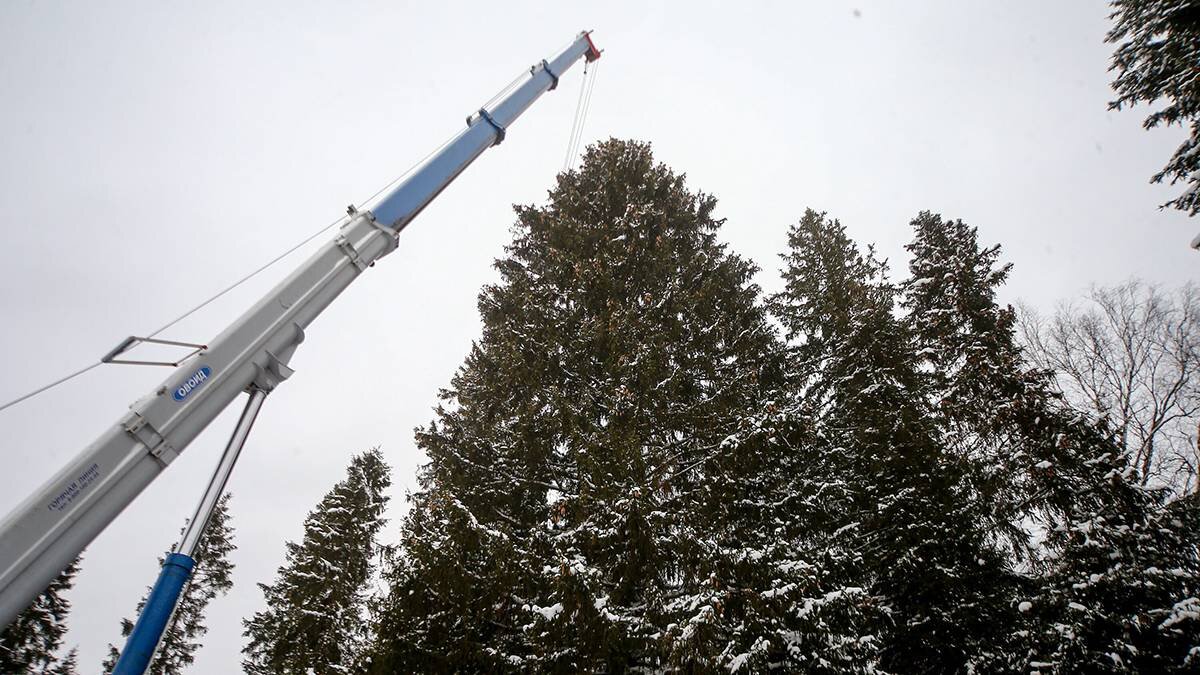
(316, 609)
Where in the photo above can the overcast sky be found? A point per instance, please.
(151, 153)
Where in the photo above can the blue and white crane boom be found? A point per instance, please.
(52, 526)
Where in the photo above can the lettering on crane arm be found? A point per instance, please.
(75, 488)
(192, 383)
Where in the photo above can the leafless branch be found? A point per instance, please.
(1130, 354)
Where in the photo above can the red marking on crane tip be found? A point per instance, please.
(592, 53)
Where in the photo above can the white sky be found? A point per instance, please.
(150, 153)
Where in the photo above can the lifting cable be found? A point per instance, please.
(582, 107)
(575, 119)
(342, 219)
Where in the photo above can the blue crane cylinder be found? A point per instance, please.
(139, 649)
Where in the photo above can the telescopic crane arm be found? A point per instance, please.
(52, 526)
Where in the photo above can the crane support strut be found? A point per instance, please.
(179, 565)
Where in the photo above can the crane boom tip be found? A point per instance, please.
(592, 52)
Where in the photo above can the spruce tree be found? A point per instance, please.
(990, 408)
(33, 638)
(1091, 593)
(315, 619)
(212, 575)
(924, 554)
(592, 498)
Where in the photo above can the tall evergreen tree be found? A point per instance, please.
(33, 638)
(315, 619)
(925, 555)
(590, 498)
(989, 407)
(1094, 598)
(212, 575)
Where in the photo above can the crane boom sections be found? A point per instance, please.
(42, 535)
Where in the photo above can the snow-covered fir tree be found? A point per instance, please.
(990, 408)
(603, 477)
(212, 575)
(315, 619)
(1158, 47)
(32, 640)
(923, 554)
(1096, 597)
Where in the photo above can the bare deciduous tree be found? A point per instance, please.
(1131, 353)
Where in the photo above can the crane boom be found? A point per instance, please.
(42, 535)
